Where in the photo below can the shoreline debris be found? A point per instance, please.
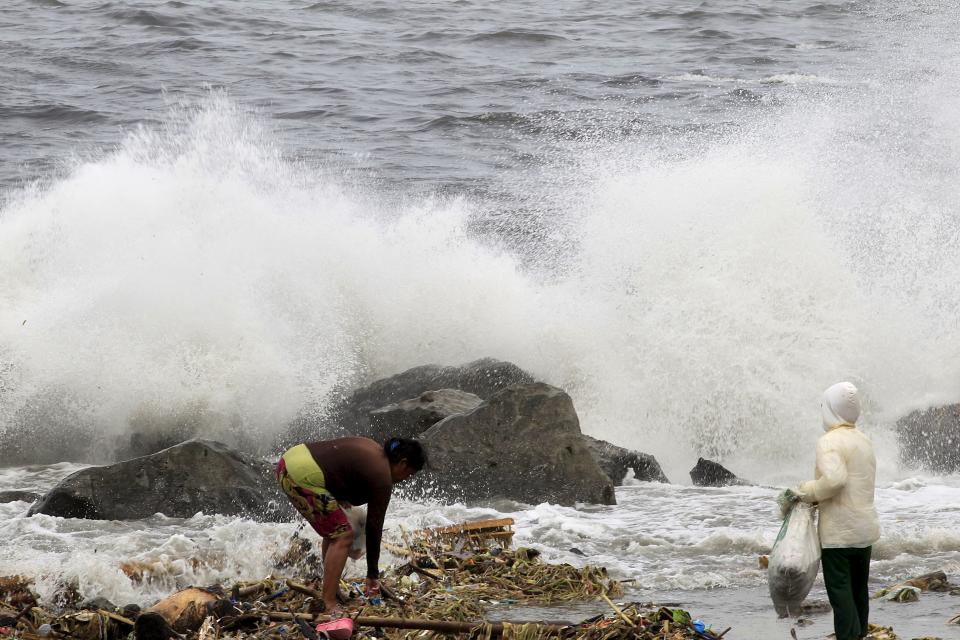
(448, 580)
(910, 590)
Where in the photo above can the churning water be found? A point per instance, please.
(692, 216)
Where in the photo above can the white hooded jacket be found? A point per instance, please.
(845, 474)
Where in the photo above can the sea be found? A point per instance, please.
(693, 216)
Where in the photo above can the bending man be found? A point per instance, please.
(844, 487)
(322, 478)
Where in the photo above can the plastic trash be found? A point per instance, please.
(338, 629)
(44, 630)
(794, 560)
(699, 626)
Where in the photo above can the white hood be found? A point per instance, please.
(840, 405)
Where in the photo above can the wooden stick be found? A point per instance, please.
(620, 613)
(389, 594)
(302, 588)
(252, 589)
(443, 626)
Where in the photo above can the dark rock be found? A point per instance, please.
(18, 496)
(197, 475)
(351, 417)
(99, 603)
(522, 444)
(616, 460)
(410, 418)
(130, 611)
(710, 474)
(930, 439)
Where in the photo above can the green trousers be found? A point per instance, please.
(845, 574)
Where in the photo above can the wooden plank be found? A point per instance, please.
(470, 526)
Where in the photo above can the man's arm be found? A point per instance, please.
(376, 512)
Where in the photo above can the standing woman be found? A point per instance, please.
(844, 487)
(322, 478)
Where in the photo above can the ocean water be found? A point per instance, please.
(692, 216)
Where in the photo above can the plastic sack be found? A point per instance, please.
(794, 560)
(357, 517)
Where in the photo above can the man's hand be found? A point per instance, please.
(373, 590)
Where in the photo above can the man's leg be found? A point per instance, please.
(836, 577)
(859, 576)
(334, 559)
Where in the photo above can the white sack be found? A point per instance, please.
(794, 560)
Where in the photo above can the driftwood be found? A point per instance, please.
(183, 612)
(442, 626)
(909, 590)
(933, 581)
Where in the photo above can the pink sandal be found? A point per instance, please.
(337, 628)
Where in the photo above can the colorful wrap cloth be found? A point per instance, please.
(301, 478)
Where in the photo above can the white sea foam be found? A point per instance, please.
(194, 272)
(662, 537)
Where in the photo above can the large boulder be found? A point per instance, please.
(351, 416)
(615, 461)
(197, 475)
(930, 438)
(409, 418)
(524, 443)
(708, 473)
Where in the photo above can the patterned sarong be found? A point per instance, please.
(301, 478)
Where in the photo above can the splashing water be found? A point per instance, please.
(694, 291)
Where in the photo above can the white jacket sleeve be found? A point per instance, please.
(831, 474)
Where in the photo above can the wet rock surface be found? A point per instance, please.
(197, 475)
(616, 461)
(708, 473)
(523, 444)
(930, 439)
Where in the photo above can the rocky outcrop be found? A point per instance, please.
(524, 443)
(615, 461)
(708, 473)
(409, 418)
(197, 475)
(18, 496)
(930, 439)
(351, 416)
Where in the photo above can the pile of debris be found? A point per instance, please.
(910, 590)
(446, 584)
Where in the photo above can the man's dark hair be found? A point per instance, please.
(398, 449)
